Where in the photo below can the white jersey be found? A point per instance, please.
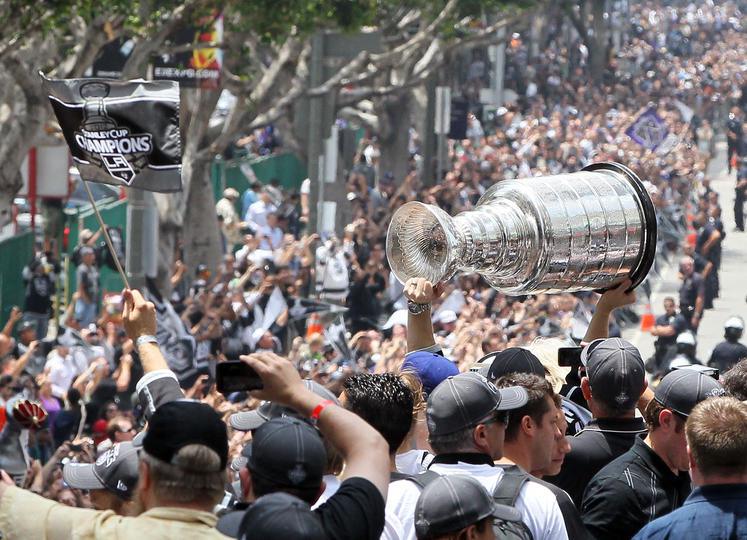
(537, 504)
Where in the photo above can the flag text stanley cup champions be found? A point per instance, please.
(124, 133)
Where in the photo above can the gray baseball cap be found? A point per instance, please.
(682, 389)
(465, 400)
(455, 501)
(251, 420)
(115, 470)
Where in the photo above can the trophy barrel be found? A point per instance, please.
(587, 230)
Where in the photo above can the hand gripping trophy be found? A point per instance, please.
(587, 230)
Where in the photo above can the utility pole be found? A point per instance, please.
(142, 237)
(329, 52)
(441, 127)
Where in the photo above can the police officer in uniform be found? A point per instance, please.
(730, 351)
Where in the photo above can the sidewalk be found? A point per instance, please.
(733, 273)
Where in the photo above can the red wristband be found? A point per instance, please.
(318, 410)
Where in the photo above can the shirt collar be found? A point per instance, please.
(653, 462)
(473, 458)
(717, 491)
(624, 425)
(182, 514)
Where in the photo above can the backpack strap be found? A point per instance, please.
(424, 478)
(394, 476)
(509, 487)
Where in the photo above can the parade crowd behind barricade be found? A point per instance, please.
(333, 310)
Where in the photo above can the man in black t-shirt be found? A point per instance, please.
(733, 134)
(692, 293)
(287, 454)
(666, 330)
(614, 383)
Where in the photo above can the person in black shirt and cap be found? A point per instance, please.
(651, 479)
(729, 352)
(614, 382)
(285, 454)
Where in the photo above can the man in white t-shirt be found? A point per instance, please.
(271, 236)
(467, 418)
(256, 216)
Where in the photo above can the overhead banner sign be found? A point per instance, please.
(124, 133)
(193, 64)
(648, 130)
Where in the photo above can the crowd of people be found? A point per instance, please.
(414, 410)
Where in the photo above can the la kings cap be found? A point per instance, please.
(115, 470)
(466, 399)
(682, 389)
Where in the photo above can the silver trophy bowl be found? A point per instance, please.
(587, 230)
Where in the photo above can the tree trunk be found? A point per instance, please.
(201, 235)
(597, 42)
(394, 113)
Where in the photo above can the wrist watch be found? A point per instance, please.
(416, 309)
(145, 338)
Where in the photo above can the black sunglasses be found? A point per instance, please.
(500, 417)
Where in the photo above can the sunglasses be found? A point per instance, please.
(500, 417)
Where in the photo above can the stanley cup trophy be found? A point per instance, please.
(587, 230)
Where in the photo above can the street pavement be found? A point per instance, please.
(733, 275)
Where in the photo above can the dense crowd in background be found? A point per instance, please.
(331, 307)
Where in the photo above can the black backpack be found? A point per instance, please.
(507, 527)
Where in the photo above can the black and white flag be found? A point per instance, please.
(303, 307)
(124, 133)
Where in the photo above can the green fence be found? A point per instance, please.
(287, 168)
(114, 214)
(15, 253)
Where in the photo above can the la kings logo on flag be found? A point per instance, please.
(124, 133)
(104, 142)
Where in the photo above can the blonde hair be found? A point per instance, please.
(546, 349)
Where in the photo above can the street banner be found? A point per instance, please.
(648, 130)
(124, 133)
(195, 63)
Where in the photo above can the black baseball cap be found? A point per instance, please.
(455, 501)
(681, 390)
(288, 452)
(511, 360)
(177, 424)
(251, 420)
(115, 470)
(281, 516)
(465, 400)
(615, 371)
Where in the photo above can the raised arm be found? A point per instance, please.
(158, 385)
(364, 450)
(609, 301)
(419, 327)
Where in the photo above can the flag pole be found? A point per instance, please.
(106, 236)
